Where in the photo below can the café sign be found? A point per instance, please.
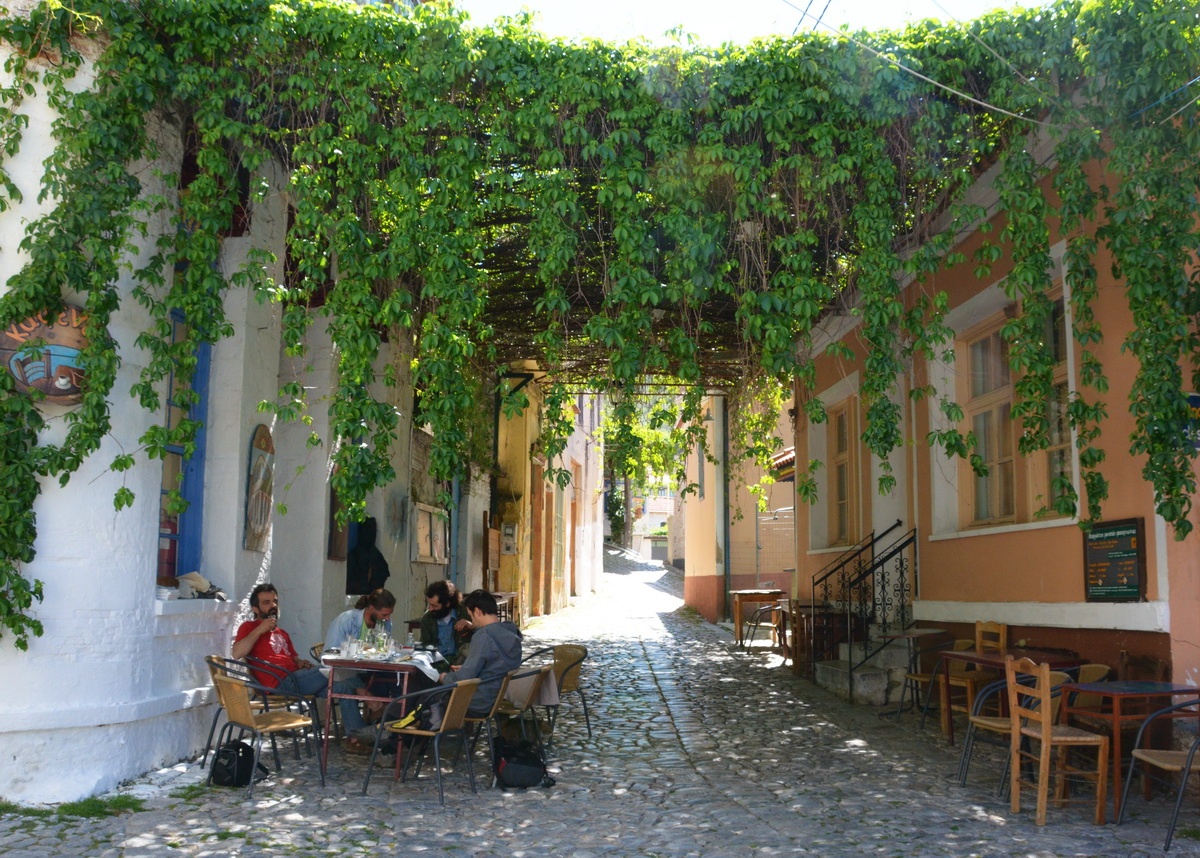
(43, 354)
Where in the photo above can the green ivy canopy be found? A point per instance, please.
(615, 213)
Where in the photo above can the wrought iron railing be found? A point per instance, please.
(864, 586)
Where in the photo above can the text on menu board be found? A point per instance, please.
(1114, 556)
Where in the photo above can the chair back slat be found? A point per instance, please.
(568, 665)
(235, 697)
(991, 636)
(954, 666)
(456, 706)
(524, 687)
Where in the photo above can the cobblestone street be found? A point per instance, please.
(699, 750)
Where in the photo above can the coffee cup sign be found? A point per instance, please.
(43, 354)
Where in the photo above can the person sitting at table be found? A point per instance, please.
(495, 650)
(371, 612)
(445, 625)
(263, 639)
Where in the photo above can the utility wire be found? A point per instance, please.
(845, 35)
(1020, 75)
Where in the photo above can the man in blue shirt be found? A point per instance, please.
(445, 625)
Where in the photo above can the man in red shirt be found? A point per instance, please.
(263, 639)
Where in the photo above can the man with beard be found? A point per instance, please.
(445, 625)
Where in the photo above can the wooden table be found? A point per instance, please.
(359, 665)
(911, 638)
(994, 660)
(741, 597)
(506, 606)
(1119, 693)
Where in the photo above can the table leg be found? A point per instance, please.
(944, 701)
(1115, 750)
(329, 704)
(737, 619)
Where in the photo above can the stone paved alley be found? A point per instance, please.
(699, 750)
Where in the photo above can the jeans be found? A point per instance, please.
(311, 681)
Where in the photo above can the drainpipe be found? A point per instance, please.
(725, 528)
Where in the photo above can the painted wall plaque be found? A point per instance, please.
(43, 355)
(259, 489)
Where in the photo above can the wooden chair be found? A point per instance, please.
(996, 729)
(990, 636)
(968, 677)
(1179, 763)
(457, 698)
(916, 680)
(1032, 717)
(235, 698)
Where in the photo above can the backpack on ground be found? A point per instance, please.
(233, 764)
(519, 765)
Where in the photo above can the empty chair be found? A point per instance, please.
(568, 671)
(235, 698)
(991, 636)
(521, 696)
(997, 729)
(968, 677)
(1032, 716)
(769, 616)
(455, 699)
(1090, 673)
(1179, 763)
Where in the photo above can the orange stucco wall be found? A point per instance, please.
(1032, 571)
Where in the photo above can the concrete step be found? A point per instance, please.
(871, 684)
(893, 655)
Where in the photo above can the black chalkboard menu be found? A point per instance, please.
(1114, 559)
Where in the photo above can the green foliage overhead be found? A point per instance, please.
(612, 212)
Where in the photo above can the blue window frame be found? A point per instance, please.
(179, 534)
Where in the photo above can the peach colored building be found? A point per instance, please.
(987, 548)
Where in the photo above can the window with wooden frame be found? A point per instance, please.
(843, 479)
(1014, 488)
(430, 541)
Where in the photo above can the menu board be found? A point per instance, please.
(1114, 559)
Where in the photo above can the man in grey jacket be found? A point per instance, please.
(495, 650)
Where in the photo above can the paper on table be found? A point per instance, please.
(423, 661)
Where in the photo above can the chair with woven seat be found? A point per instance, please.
(1083, 700)
(315, 704)
(455, 699)
(521, 696)
(568, 670)
(261, 697)
(989, 637)
(1032, 717)
(476, 724)
(962, 675)
(234, 696)
(997, 729)
(1174, 762)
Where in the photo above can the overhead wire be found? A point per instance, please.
(893, 61)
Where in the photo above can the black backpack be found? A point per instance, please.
(233, 764)
(519, 765)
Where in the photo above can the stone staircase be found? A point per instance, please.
(878, 682)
